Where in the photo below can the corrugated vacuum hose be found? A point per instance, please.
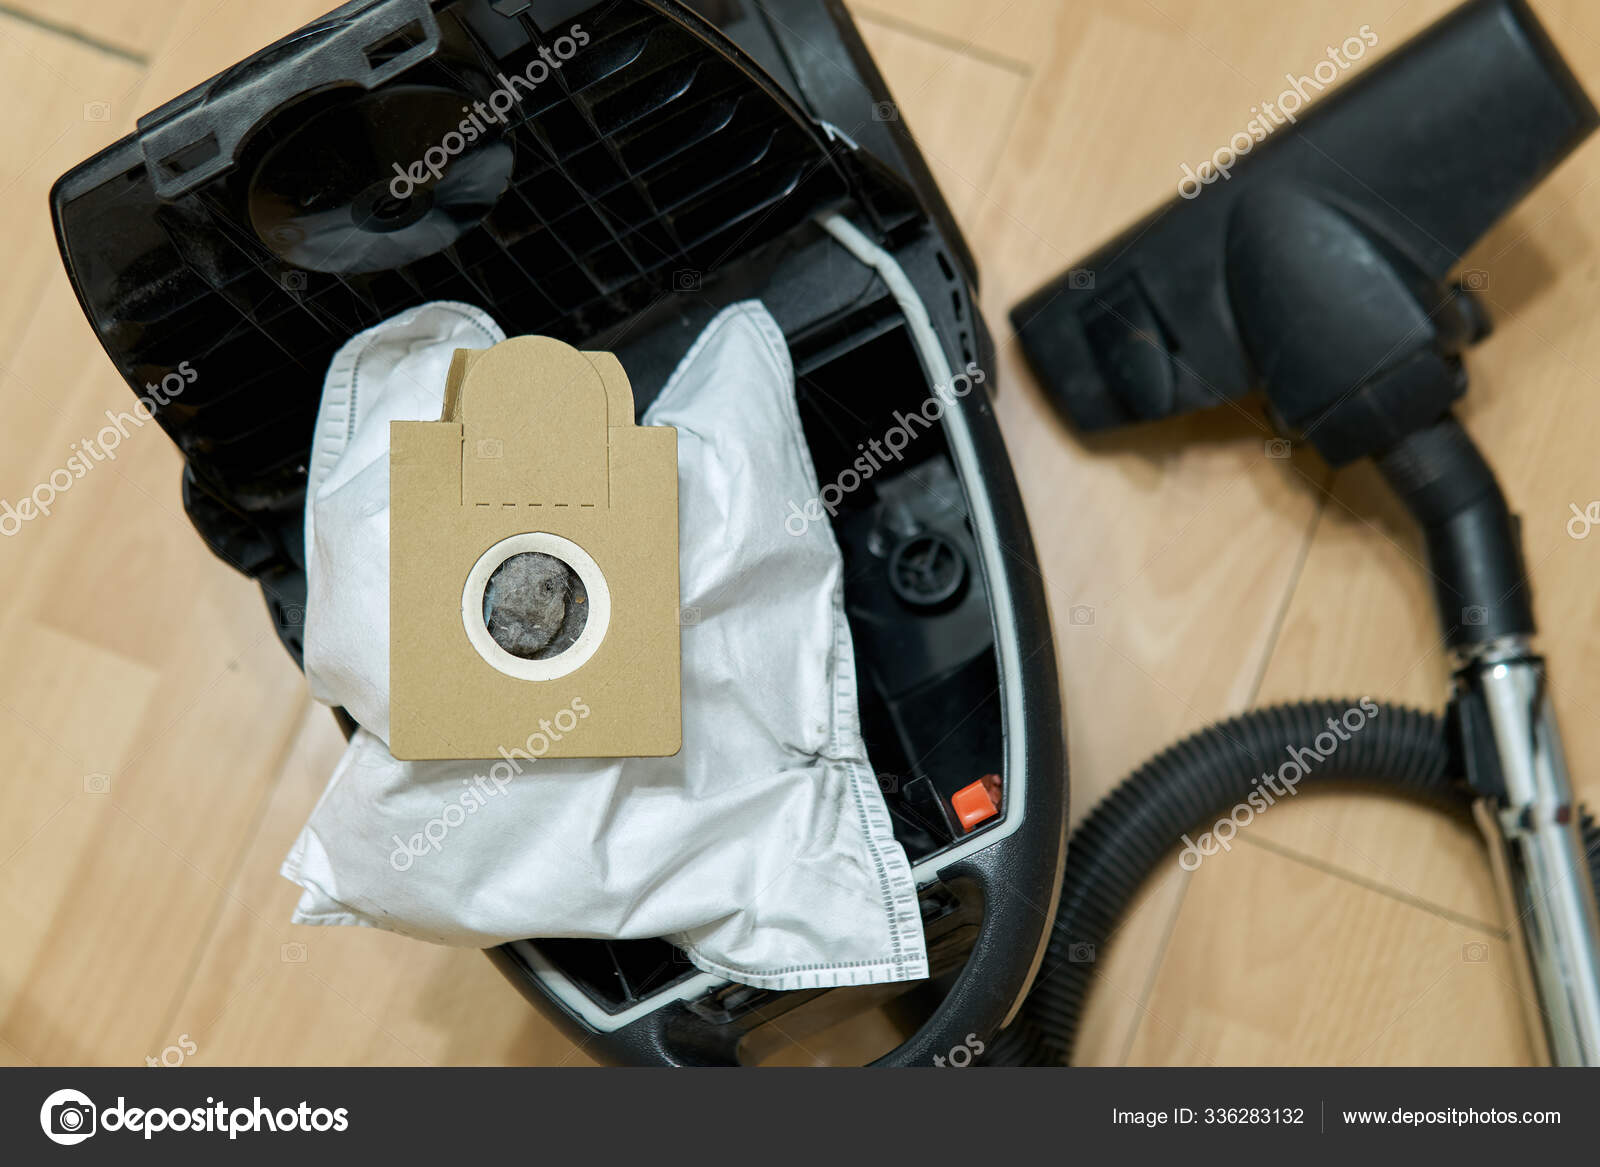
(1190, 787)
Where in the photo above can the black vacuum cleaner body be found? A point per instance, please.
(653, 163)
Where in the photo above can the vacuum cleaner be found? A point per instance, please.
(684, 157)
(697, 154)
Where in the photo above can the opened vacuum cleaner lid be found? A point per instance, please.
(680, 160)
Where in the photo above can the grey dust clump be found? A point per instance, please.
(535, 606)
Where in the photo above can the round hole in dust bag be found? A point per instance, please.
(535, 606)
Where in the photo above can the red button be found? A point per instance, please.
(978, 802)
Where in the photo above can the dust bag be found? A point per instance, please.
(763, 847)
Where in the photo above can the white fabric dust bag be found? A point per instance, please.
(763, 848)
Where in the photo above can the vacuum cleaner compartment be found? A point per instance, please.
(614, 175)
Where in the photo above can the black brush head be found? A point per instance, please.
(1425, 150)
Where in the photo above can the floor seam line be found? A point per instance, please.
(76, 35)
(1372, 885)
(943, 40)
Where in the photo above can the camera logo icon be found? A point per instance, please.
(1474, 615)
(489, 448)
(1080, 615)
(67, 1117)
(1279, 449)
(687, 280)
(1475, 952)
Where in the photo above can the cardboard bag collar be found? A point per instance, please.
(536, 452)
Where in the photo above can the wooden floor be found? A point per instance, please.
(161, 750)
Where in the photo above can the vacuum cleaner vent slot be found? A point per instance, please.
(393, 47)
(568, 176)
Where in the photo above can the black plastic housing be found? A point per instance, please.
(1480, 580)
(673, 167)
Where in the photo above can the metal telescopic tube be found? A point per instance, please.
(1506, 730)
(1532, 826)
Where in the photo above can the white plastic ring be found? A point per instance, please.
(594, 628)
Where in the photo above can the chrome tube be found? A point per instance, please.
(1529, 817)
